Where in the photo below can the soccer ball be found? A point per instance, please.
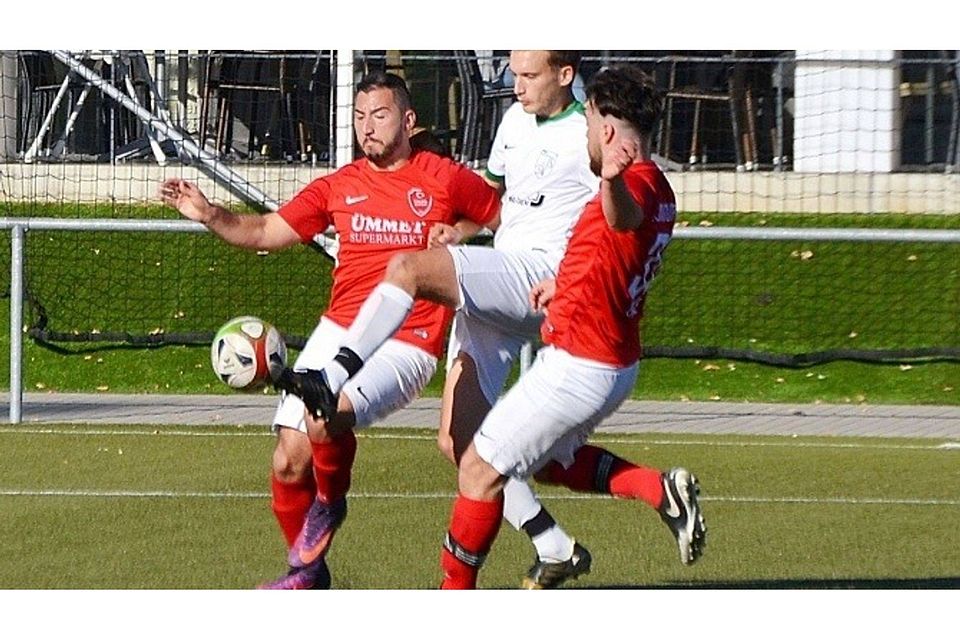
(247, 353)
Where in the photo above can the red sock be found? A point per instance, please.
(474, 525)
(290, 503)
(627, 480)
(332, 463)
(597, 470)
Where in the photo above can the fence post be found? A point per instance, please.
(16, 323)
(344, 107)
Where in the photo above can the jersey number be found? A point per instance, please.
(641, 283)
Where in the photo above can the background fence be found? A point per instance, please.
(765, 133)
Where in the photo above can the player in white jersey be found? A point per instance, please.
(540, 164)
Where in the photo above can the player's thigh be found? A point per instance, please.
(550, 412)
(494, 286)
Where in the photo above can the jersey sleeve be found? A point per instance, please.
(496, 164)
(472, 197)
(308, 212)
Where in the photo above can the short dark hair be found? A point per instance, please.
(626, 92)
(564, 58)
(384, 80)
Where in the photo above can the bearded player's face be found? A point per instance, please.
(380, 124)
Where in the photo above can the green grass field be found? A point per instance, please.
(187, 508)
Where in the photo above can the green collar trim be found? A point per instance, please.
(493, 176)
(573, 107)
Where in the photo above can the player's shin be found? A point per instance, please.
(523, 511)
(474, 525)
(290, 502)
(380, 316)
(332, 465)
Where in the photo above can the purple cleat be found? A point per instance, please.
(322, 522)
(314, 576)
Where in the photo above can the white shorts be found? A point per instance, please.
(389, 380)
(494, 319)
(550, 412)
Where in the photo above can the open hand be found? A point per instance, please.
(186, 198)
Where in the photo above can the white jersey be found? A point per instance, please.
(546, 170)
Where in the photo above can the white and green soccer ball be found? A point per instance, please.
(247, 353)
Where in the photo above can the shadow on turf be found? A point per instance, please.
(833, 583)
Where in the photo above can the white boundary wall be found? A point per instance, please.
(846, 111)
(697, 191)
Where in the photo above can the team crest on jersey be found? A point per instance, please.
(420, 203)
(545, 163)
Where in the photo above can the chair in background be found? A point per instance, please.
(250, 107)
(481, 107)
(736, 100)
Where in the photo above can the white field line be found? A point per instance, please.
(596, 438)
(259, 495)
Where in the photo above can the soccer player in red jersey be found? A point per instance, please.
(592, 346)
(382, 204)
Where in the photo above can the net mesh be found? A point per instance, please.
(762, 138)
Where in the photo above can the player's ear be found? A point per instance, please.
(409, 120)
(609, 129)
(565, 75)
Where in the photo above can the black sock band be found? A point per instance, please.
(538, 523)
(349, 360)
(466, 557)
(601, 476)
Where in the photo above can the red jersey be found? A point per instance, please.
(604, 276)
(379, 213)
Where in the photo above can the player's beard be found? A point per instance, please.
(596, 161)
(385, 152)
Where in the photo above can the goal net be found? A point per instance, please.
(759, 140)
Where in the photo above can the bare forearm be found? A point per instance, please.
(619, 208)
(248, 231)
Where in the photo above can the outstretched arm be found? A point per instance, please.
(256, 232)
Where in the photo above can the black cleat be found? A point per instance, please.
(547, 575)
(681, 513)
(310, 385)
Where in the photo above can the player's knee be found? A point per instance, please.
(477, 479)
(402, 271)
(445, 444)
(292, 458)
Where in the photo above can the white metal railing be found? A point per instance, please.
(19, 227)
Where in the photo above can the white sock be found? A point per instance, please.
(381, 314)
(554, 545)
(520, 505)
